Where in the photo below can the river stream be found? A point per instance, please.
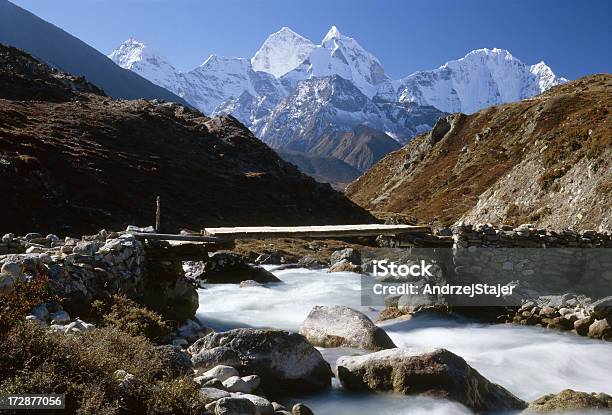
(528, 361)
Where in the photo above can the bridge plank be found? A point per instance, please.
(325, 231)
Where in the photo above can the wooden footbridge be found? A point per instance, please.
(224, 236)
(266, 232)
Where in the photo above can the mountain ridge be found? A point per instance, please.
(80, 161)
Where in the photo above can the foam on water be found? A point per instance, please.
(284, 306)
(528, 361)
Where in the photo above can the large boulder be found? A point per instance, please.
(432, 372)
(569, 401)
(285, 361)
(235, 406)
(229, 268)
(339, 326)
(207, 358)
(601, 329)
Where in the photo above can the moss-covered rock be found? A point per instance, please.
(571, 401)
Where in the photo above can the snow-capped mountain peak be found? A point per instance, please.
(341, 55)
(129, 52)
(140, 58)
(298, 96)
(331, 35)
(545, 76)
(281, 52)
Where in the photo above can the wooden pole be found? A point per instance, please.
(158, 215)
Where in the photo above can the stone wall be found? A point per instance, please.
(99, 266)
(526, 236)
(572, 262)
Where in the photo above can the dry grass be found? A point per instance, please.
(82, 366)
(16, 306)
(131, 318)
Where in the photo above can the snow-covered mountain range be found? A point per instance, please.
(293, 93)
(481, 78)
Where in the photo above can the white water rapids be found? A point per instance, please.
(528, 361)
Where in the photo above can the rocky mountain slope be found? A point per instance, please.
(293, 92)
(74, 160)
(545, 160)
(61, 50)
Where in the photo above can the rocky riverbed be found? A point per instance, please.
(528, 362)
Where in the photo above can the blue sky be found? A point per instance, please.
(573, 37)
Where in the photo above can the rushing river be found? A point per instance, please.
(528, 361)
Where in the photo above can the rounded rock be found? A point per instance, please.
(235, 406)
(236, 384)
(264, 407)
(221, 372)
(301, 409)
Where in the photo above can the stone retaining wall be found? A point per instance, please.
(526, 236)
(99, 266)
(577, 262)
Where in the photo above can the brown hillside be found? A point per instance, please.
(545, 160)
(73, 160)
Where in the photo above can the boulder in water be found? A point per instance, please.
(339, 326)
(433, 372)
(602, 308)
(229, 268)
(569, 401)
(284, 361)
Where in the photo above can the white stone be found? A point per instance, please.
(236, 384)
(12, 269)
(221, 372)
(210, 395)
